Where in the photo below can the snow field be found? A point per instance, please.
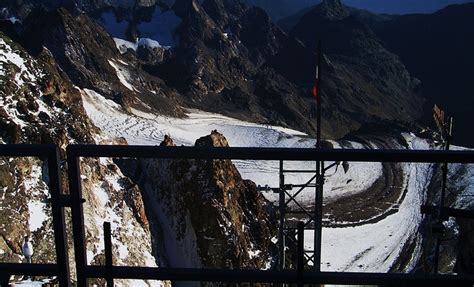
(142, 128)
(375, 247)
(365, 248)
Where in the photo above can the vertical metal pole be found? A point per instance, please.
(318, 98)
(448, 136)
(318, 204)
(74, 175)
(108, 254)
(59, 225)
(281, 233)
(4, 280)
(300, 259)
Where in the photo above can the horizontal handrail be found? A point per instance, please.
(292, 154)
(285, 276)
(29, 269)
(22, 150)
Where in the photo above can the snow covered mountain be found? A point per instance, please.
(280, 9)
(218, 56)
(171, 72)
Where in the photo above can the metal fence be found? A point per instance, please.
(50, 153)
(299, 276)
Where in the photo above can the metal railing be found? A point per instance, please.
(299, 276)
(58, 202)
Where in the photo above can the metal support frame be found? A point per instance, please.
(281, 230)
(447, 133)
(318, 197)
(298, 276)
(74, 152)
(108, 254)
(77, 211)
(286, 229)
(61, 268)
(314, 216)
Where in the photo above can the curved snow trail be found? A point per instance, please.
(371, 247)
(142, 128)
(375, 247)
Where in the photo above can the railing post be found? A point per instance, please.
(300, 258)
(59, 225)
(75, 191)
(281, 231)
(318, 213)
(4, 279)
(108, 254)
(448, 136)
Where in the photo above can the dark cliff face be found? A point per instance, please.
(434, 48)
(236, 61)
(80, 48)
(437, 49)
(90, 58)
(360, 77)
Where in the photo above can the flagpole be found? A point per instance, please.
(318, 206)
(318, 97)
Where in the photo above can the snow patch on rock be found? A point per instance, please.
(124, 75)
(38, 190)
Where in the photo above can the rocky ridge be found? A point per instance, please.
(39, 105)
(226, 57)
(204, 213)
(42, 96)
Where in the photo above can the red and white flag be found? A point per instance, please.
(315, 86)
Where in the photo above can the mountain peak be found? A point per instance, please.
(333, 9)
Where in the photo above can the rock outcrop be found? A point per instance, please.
(202, 213)
(40, 105)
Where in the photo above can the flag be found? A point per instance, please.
(315, 86)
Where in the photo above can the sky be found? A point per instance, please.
(402, 6)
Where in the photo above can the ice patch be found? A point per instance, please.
(254, 253)
(124, 45)
(31, 283)
(461, 177)
(122, 250)
(146, 42)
